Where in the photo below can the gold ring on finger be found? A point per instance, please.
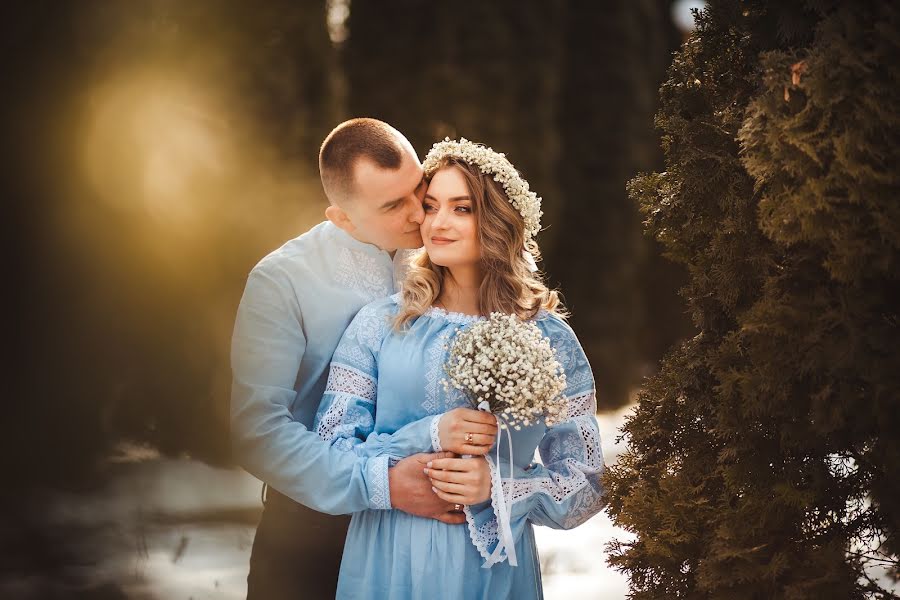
(469, 438)
(457, 507)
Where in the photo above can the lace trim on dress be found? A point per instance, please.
(345, 383)
(593, 454)
(436, 433)
(435, 353)
(463, 318)
(488, 534)
(332, 419)
(557, 486)
(583, 404)
(453, 317)
(347, 380)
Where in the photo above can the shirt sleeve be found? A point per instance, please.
(346, 417)
(267, 346)
(565, 490)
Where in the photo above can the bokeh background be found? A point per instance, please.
(159, 148)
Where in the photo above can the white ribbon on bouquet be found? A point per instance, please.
(506, 541)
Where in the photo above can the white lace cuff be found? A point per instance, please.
(487, 535)
(436, 434)
(379, 486)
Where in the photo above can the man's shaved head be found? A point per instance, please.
(351, 142)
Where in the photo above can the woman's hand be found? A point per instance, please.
(461, 481)
(467, 431)
(411, 491)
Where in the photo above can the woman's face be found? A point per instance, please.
(450, 228)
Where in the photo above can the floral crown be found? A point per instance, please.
(496, 165)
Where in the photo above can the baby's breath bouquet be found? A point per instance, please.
(506, 365)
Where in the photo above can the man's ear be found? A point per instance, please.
(336, 215)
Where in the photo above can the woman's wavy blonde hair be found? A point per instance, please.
(508, 285)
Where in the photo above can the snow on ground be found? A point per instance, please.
(173, 529)
(169, 529)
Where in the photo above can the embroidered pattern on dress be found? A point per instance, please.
(578, 440)
(363, 273)
(581, 379)
(344, 418)
(352, 355)
(565, 442)
(565, 350)
(584, 506)
(482, 537)
(344, 444)
(380, 496)
(358, 420)
(369, 328)
(434, 372)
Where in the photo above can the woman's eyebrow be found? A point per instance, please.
(453, 199)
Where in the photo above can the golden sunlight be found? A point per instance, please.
(156, 146)
(184, 171)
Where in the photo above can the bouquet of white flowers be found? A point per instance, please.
(507, 366)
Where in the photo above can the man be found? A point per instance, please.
(297, 303)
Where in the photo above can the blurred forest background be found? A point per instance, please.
(161, 148)
(157, 149)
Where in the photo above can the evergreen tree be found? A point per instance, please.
(763, 458)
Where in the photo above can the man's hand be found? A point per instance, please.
(467, 431)
(411, 490)
(461, 480)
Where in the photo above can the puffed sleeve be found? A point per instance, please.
(565, 490)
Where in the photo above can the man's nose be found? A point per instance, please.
(417, 213)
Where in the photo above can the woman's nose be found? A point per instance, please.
(440, 219)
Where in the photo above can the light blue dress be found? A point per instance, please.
(375, 389)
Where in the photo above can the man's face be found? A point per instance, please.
(386, 209)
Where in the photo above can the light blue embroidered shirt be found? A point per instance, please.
(297, 303)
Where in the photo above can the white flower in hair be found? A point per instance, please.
(497, 166)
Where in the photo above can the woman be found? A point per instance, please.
(480, 219)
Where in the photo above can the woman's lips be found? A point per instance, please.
(440, 241)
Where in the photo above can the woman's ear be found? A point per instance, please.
(336, 215)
